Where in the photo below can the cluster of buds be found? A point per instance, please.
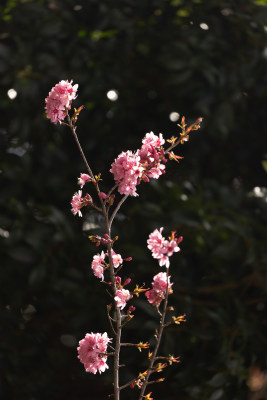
(108, 199)
(139, 381)
(184, 134)
(118, 283)
(105, 239)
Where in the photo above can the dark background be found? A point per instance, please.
(159, 58)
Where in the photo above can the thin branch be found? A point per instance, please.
(112, 189)
(182, 137)
(111, 324)
(118, 319)
(158, 339)
(117, 209)
(156, 381)
(73, 130)
(127, 384)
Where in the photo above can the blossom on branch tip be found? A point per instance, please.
(91, 352)
(59, 99)
(153, 140)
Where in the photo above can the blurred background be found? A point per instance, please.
(140, 66)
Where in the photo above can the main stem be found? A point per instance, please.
(108, 224)
(118, 331)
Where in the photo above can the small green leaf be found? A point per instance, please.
(264, 164)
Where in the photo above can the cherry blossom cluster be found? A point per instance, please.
(152, 156)
(127, 172)
(99, 264)
(78, 202)
(148, 162)
(159, 288)
(122, 295)
(59, 99)
(162, 248)
(92, 350)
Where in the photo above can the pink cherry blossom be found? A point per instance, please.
(153, 140)
(129, 168)
(98, 265)
(59, 99)
(122, 296)
(91, 352)
(117, 259)
(156, 243)
(161, 248)
(77, 203)
(127, 172)
(171, 247)
(160, 282)
(83, 179)
(152, 155)
(159, 287)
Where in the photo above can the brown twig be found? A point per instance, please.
(158, 335)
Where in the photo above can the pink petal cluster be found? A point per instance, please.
(121, 298)
(159, 287)
(117, 259)
(77, 203)
(161, 248)
(91, 352)
(152, 155)
(59, 99)
(83, 179)
(130, 168)
(127, 172)
(98, 265)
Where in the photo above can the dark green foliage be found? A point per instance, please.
(159, 59)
